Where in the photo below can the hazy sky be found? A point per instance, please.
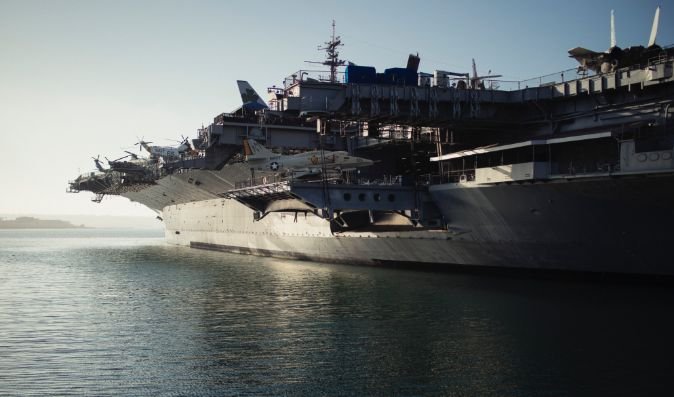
(81, 78)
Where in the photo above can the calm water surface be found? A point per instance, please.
(118, 312)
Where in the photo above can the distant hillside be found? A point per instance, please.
(28, 222)
(98, 221)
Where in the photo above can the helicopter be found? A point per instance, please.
(166, 153)
(99, 166)
(136, 165)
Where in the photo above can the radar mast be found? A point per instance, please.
(332, 55)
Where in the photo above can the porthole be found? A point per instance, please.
(641, 157)
(391, 197)
(377, 197)
(361, 197)
(666, 156)
(347, 196)
(654, 156)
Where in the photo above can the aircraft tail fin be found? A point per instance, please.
(246, 148)
(654, 28)
(251, 100)
(253, 149)
(613, 39)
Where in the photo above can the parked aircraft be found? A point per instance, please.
(136, 165)
(251, 100)
(311, 162)
(465, 80)
(97, 162)
(166, 153)
(615, 57)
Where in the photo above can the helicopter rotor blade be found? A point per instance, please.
(141, 142)
(133, 155)
(493, 76)
(119, 159)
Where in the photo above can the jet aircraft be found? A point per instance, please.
(615, 57)
(476, 82)
(251, 100)
(465, 80)
(307, 163)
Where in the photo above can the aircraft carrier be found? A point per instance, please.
(571, 171)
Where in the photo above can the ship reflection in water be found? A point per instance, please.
(128, 316)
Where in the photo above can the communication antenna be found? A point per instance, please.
(332, 55)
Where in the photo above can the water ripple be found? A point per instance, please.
(109, 313)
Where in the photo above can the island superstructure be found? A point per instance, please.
(570, 171)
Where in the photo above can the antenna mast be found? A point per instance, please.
(332, 55)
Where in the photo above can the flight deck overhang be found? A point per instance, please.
(532, 142)
(327, 198)
(358, 197)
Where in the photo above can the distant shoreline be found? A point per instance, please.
(93, 221)
(27, 222)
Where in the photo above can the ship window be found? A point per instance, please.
(391, 197)
(377, 197)
(361, 197)
(347, 196)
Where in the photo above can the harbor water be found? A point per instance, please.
(119, 312)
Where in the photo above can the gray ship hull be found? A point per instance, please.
(605, 224)
(600, 225)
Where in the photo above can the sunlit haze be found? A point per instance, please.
(83, 78)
